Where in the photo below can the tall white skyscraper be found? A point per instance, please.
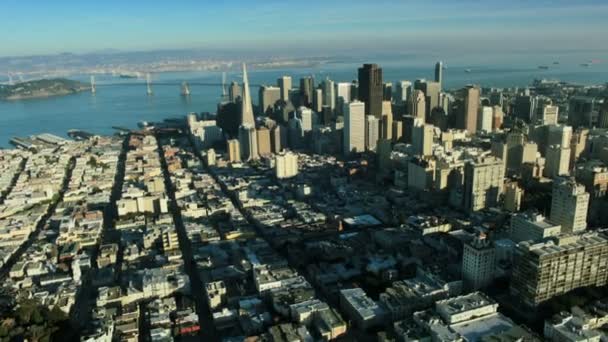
(550, 115)
(372, 129)
(343, 91)
(557, 161)
(286, 165)
(483, 182)
(247, 106)
(569, 205)
(306, 117)
(484, 119)
(418, 105)
(354, 128)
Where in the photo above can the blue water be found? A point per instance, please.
(123, 102)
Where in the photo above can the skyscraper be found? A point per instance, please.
(372, 128)
(354, 128)
(550, 115)
(470, 108)
(422, 138)
(307, 87)
(371, 89)
(478, 258)
(329, 94)
(246, 107)
(483, 182)
(264, 145)
(403, 92)
(418, 105)
(234, 150)
(569, 205)
(439, 73)
(284, 84)
(484, 119)
(431, 92)
(234, 92)
(269, 96)
(248, 142)
(318, 100)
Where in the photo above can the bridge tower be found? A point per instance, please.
(93, 88)
(149, 84)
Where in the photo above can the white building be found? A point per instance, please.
(569, 205)
(286, 165)
(484, 119)
(354, 128)
(532, 226)
(372, 129)
(248, 142)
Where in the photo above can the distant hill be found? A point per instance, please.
(41, 88)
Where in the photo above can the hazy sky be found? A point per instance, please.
(53, 26)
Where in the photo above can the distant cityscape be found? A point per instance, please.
(365, 210)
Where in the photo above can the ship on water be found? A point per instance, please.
(78, 134)
(185, 89)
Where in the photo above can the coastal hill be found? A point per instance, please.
(41, 88)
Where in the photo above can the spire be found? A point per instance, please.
(246, 106)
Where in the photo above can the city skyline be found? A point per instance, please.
(341, 27)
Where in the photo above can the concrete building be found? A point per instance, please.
(557, 161)
(360, 308)
(354, 128)
(278, 138)
(513, 197)
(478, 262)
(497, 118)
(284, 84)
(549, 115)
(371, 89)
(569, 205)
(418, 105)
(329, 94)
(483, 183)
(484, 119)
(317, 101)
(471, 108)
(422, 138)
(403, 90)
(268, 97)
(548, 269)
(372, 128)
(530, 226)
(286, 165)
(248, 142)
(264, 144)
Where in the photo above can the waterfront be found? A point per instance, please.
(123, 102)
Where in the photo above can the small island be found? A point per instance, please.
(41, 88)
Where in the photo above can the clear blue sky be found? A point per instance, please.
(53, 26)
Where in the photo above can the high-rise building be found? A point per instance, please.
(248, 142)
(513, 197)
(264, 144)
(418, 105)
(234, 151)
(387, 92)
(384, 149)
(431, 92)
(403, 91)
(497, 118)
(234, 92)
(602, 121)
(569, 205)
(278, 138)
(246, 107)
(307, 88)
(329, 94)
(397, 130)
(484, 119)
(583, 111)
(439, 72)
(269, 96)
(372, 128)
(531, 226)
(354, 128)
(342, 96)
(557, 161)
(371, 89)
(549, 115)
(386, 123)
(284, 84)
(286, 165)
(559, 135)
(525, 107)
(478, 263)
(483, 183)
(471, 108)
(318, 100)
(422, 138)
(544, 270)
